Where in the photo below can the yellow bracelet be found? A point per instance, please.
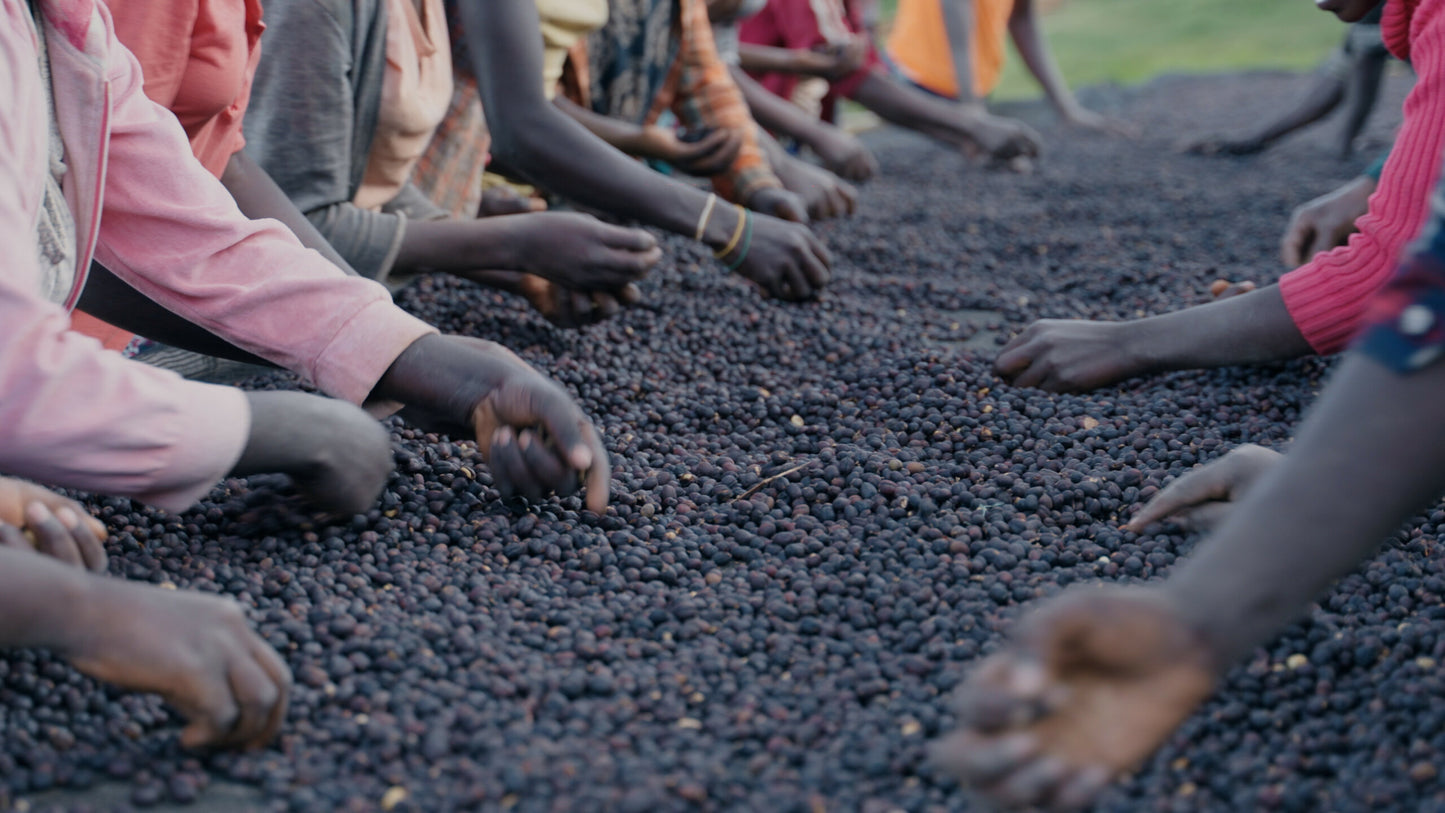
(737, 233)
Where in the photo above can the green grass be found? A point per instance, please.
(1128, 41)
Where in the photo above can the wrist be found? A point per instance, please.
(721, 226)
(444, 376)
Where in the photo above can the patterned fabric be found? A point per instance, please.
(1405, 324)
(55, 228)
(659, 55)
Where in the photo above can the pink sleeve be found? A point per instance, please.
(173, 232)
(1327, 296)
(72, 414)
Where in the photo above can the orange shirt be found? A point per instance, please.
(198, 57)
(918, 45)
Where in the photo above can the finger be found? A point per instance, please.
(256, 695)
(1006, 691)
(12, 537)
(599, 474)
(1034, 375)
(982, 761)
(1297, 239)
(544, 466)
(545, 403)
(51, 537)
(628, 239)
(212, 713)
(275, 668)
(581, 308)
(605, 306)
(502, 459)
(57, 503)
(1203, 484)
(1016, 356)
(624, 266)
(817, 262)
(797, 284)
(1033, 783)
(1203, 517)
(92, 550)
(629, 294)
(848, 195)
(1080, 789)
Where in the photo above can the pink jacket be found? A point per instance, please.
(72, 414)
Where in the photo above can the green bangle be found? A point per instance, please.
(746, 244)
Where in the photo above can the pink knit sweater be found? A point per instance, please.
(1327, 296)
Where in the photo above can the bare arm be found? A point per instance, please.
(1029, 39)
(958, 23)
(625, 136)
(778, 114)
(770, 59)
(259, 197)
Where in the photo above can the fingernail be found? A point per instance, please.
(581, 458)
(68, 518)
(36, 513)
(1029, 678)
(502, 435)
(1016, 746)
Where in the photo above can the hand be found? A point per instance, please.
(709, 155)
(1325, 222)
(1201, 498)
(844, 155)
(786, 261)
(1004, 139)
(196, 651)
(567, 308)
(1224, 289)
(60, 534)
(838, 60)
(504, 200)
(581, 252)
(335, 453)
(528, 429)
(1094, 681)
(58, 526)
(1219, 145)
(1062, 355)
(1087, 119)
(825, 194)
(778, 202)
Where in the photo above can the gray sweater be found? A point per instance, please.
(312, 117)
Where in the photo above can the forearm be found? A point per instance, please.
(958, 24)
(1250, 329)
(42, 601)
(458, 245)
(1326, 94)
(623, 135)
(768, 59)
(258, 197)
(1368, 455)
(778, 114)
(1024, 30)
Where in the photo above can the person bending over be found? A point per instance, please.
(345, 99)
(196, 651)
(654, 56)
(955, 49)
(1353, 71)
(1097, 678)
(840, 151)
(791, 40)
(511, 57)
(95, 168)
(1315, 308)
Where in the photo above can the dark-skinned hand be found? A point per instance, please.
(1325, 222)
(780, 203)
(196, 651)
(51, 524)
(1202, 497)
(504, 200)
(826, 195)
(1091, 684)
(336, 454)
(845, 156)
(1224, 146)
(567, 308)
(1070, 355)
(709, 155)
(580, 252)
(786, 260)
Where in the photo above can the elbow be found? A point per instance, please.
(517, 139)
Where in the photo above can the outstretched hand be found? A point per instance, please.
(42, 520)
(1062, 355)
(1205, 495)
(1093, 682)
(1325, 222)
(196, 651)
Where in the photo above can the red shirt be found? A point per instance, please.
(198, 57)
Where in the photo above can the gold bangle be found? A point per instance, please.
(706, 215)
(737, 233)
